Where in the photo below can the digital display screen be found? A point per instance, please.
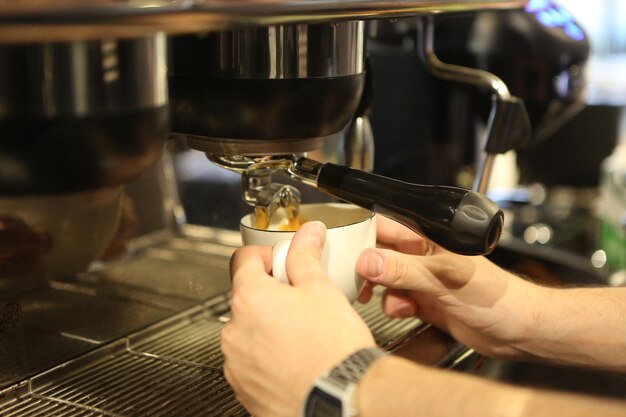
(320, 404)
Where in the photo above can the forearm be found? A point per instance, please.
(397, 387)
(583, 326)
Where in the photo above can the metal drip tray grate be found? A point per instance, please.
(386, 331)
(192, 342)
(130, 383)
(171, 368)
(28, 352)
(42, 407)
(161, 270)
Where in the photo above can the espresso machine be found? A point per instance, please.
(90, 95)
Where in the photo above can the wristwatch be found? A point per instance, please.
(332, 393)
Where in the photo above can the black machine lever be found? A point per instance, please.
(462, 221)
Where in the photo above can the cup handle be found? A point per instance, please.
(279, 257)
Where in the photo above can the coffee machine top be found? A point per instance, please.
(63, 20)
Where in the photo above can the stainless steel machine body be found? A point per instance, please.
(80, 114)
(275, 89)
(36, 21)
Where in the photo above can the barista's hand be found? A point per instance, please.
(475, 301)
(280, 338)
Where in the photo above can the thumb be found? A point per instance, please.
(303, 259)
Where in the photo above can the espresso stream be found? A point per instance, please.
(290, 224)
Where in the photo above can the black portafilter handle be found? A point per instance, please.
(459, 220)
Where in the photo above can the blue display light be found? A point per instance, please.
(559, 19)
(566, 15)
(574, 31)
(537, 5)
(545, 18)
(552, 16)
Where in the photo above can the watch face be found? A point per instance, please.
(322, 404)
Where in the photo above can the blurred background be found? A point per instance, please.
(587, 213)
(605, 23)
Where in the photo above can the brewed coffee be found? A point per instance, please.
(289, 223)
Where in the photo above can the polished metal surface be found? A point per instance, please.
(306, 170)
(266, 197)
(455, 73)
(272, 52)
(83, 78)
(221, 146)
(297, 165)
(257, 188)
(81, 115)
(483, 173)
(257, 165)
(41, 20)
(359, 145)
(266, 90)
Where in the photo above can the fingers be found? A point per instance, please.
(398, 304)
(406, 304)
(389, 268)
(303, 259)
(393, 235)
(249, 264)
(366, 293)
(419, 273)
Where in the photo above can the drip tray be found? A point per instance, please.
(52, 325)
(171, 368)
(46, 321)
(135, 338)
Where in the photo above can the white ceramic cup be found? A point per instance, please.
(351, 229)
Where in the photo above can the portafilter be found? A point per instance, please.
(459, 220)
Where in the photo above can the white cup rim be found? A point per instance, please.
(369, 217)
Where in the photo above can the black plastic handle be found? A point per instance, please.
(459, 220)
